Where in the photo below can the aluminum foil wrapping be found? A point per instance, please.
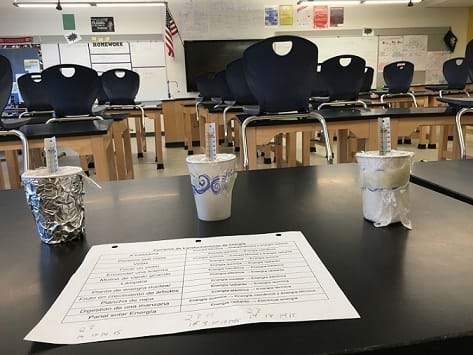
(57, 203)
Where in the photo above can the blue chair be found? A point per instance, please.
(319, 88)
(34, 95)
(281, 82)
(72, 90)
(367, 80)
(343, 81)
(455, 72)
(398, 77)
(241, 93)
(463, 105)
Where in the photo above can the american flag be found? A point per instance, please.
(171, 30)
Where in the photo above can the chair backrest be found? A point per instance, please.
(237, 83)
(121, 86)
(469, 59)
(207, 86)
(6, 82)
(398, 76)
(223, 89)
(33, 92)
(72, 89)
(455, 73)
(282, 81)
(367, 79)
(102, 97)
(343, 80)
(319, 88)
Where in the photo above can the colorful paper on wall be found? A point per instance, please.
(271, 15)
(286, 15)
(304, 16)
(337, 16)
(320, 16)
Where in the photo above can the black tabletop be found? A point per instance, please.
(343, 114)
(453, 178)
(410, 287)
(64, 129)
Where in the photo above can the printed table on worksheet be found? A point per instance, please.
(130, 290)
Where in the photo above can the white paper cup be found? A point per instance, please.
(212, 185)
(385, 186)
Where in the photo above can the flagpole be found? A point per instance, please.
(163, 20)
(178, 32)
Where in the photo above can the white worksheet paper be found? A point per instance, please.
(171, 286)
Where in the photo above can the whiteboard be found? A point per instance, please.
(153, 84)
(50, 55)
(75, 54)
(364, 47)
(147, 54)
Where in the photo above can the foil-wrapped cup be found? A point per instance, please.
(57, 203)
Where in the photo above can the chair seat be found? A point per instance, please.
(463, 102)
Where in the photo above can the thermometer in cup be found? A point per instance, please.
(384, 126)
(210, 141)
(50, 152)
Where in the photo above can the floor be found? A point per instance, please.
(175, 158)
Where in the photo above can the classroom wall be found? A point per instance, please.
(217, 19)
(470, 25)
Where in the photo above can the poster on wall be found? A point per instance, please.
(320, 16)
(32, 65)
(72, 37)
(415, 50)
(271, 15)
(391, 49)
(337, 16)
(304, 16)
(286, 15)
(102, 24)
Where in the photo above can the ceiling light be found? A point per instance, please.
(390, 2)
(130, 4)
(53, 4)
(330, 2)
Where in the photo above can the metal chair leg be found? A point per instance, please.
(461, 139)
(24, 143)
(323, 123)
(225, 124)
(413, 98)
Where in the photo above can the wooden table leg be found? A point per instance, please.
(342, 146)
(306, 148)
(139, 136)
(127, 148)
(251, 140)
(2, 179)
(267, 153)
(443, 143)
(278, 151)
(291, 144)
(432, 137)
(13, 169)
(104, 159)
(117, 131)
(158, 141)
(188, 127)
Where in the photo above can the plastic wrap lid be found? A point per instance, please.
(391, 154)
(203, 159)
(44, 173)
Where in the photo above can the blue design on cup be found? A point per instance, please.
(203, 183)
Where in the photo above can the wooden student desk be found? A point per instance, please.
(84, 137)
(362, 123)
(173, 120)
(412, 289)
(153, 111)
(191, 126)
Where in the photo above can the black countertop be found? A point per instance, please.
(413, 289)
(452, 177)
(64, 129)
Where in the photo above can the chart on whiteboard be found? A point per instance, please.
(171, 286)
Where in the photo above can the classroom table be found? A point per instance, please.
(84, 137)
(412, 289)
(453, 178)
(153, 111)
(173, 122)
(362, 123)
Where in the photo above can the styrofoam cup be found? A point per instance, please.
(385, 186)
(212, 185)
